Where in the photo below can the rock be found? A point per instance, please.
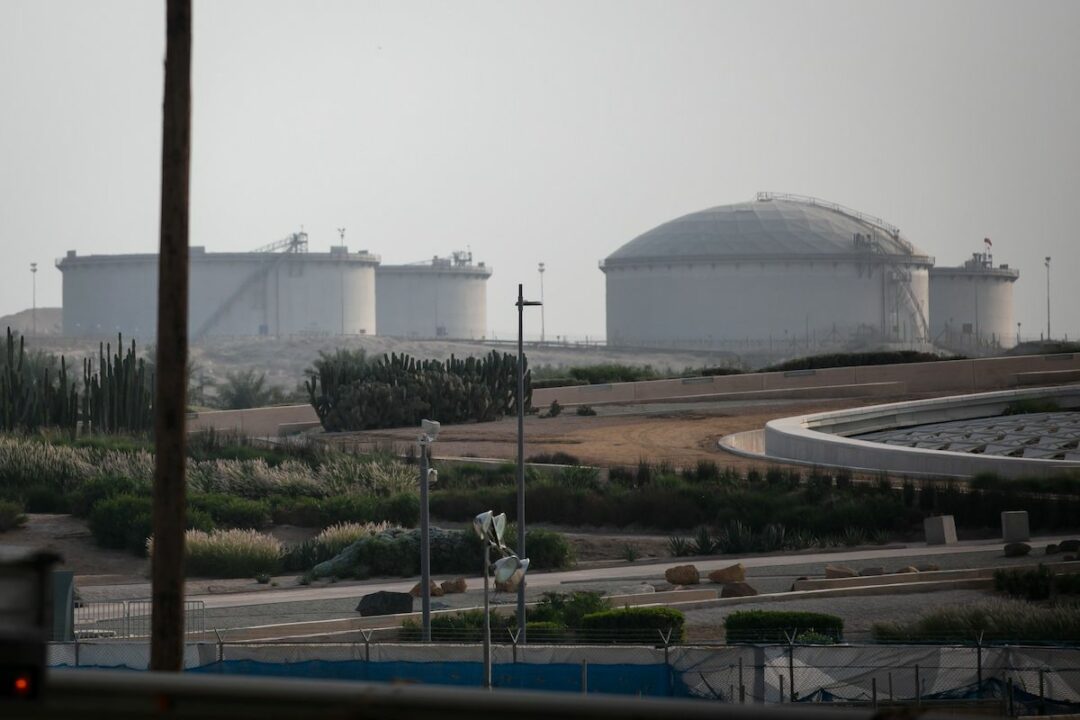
(682, 575)
(928, 567)
(732, 574)
(1052, 549)
(385, 603)
(458, 585)
(839, 571)
(737, 589)
(1017, 549)
(436, 591)
(867, 572)
(908, 569)
(1070, 546)
(510, 585)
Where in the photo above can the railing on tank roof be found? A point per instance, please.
(877, 222)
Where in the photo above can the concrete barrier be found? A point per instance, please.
(822, 438)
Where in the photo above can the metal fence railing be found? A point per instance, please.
(1017, 680)
(130, 619)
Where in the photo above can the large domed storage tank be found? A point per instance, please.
(971, 306)
(783, 268)
(440, 298)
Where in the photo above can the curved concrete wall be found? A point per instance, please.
(426, 301)
(705, 303)
(821, 439)
(322, 293)
(972, 308)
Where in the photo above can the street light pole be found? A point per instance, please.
(1047, 298)
(542, 333)
(33, 311)
(427, 437)
(522, 303)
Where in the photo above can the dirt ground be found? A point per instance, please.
(623, 435)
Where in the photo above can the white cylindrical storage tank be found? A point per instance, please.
(971, 306)
(782, 271)
(442, 298)
(244, 294)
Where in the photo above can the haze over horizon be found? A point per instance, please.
(543, 131)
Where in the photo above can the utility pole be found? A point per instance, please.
(522, 303)
(170, 412)
(341, 274)
(1047, 298)
(542, 333)
(33, 311)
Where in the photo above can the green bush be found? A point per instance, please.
(11, 515)
(634, 624)
(566, 610)
(467, 626)
(1035, 584)
(540, 632)
(995, 621)
(877, 357)
(95, 490)
(228, 511)
(123, 522)
(586, 411)
(778, 625)
(43, 499)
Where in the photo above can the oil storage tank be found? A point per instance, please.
(782, 269)
(279, 289)
(971, 306)
(438, 298)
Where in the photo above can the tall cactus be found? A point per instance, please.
(349, 392)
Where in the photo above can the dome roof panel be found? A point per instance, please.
(766, 227)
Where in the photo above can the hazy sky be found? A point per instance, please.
(544, 131)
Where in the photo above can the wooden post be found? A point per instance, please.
(873, 692)
(170, 401)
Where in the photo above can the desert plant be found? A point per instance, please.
(11, 515)
(634, 624)
(679, 547)
(336, 538)
(630, 553)
(779, 625)
(585, 410)
(247, 389)
(703, 542)
(230, 553)
(1001, 620)
(554, 409)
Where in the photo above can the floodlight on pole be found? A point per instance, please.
(490, 528)
(429, 431)
(519, 401)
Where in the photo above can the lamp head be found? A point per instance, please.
(430, 428)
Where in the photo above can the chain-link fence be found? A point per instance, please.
(1018, 680)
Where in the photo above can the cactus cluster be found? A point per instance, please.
(350, 392)
(35, 393)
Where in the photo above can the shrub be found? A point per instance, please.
(95, 490)
(43, 499)
(554, 409)
(548, 550)
(11, 515)
(679, 547)
(586, 410)
(567, 610)
(634, 624)
(466, 626)
(233, 512)
(122, 522)
(337, 537)
(230, 553)
(995, 620)
(539, 632)
(1035, 584)
(555, 458)
(779, 625)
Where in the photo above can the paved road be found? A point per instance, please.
(630, 573)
